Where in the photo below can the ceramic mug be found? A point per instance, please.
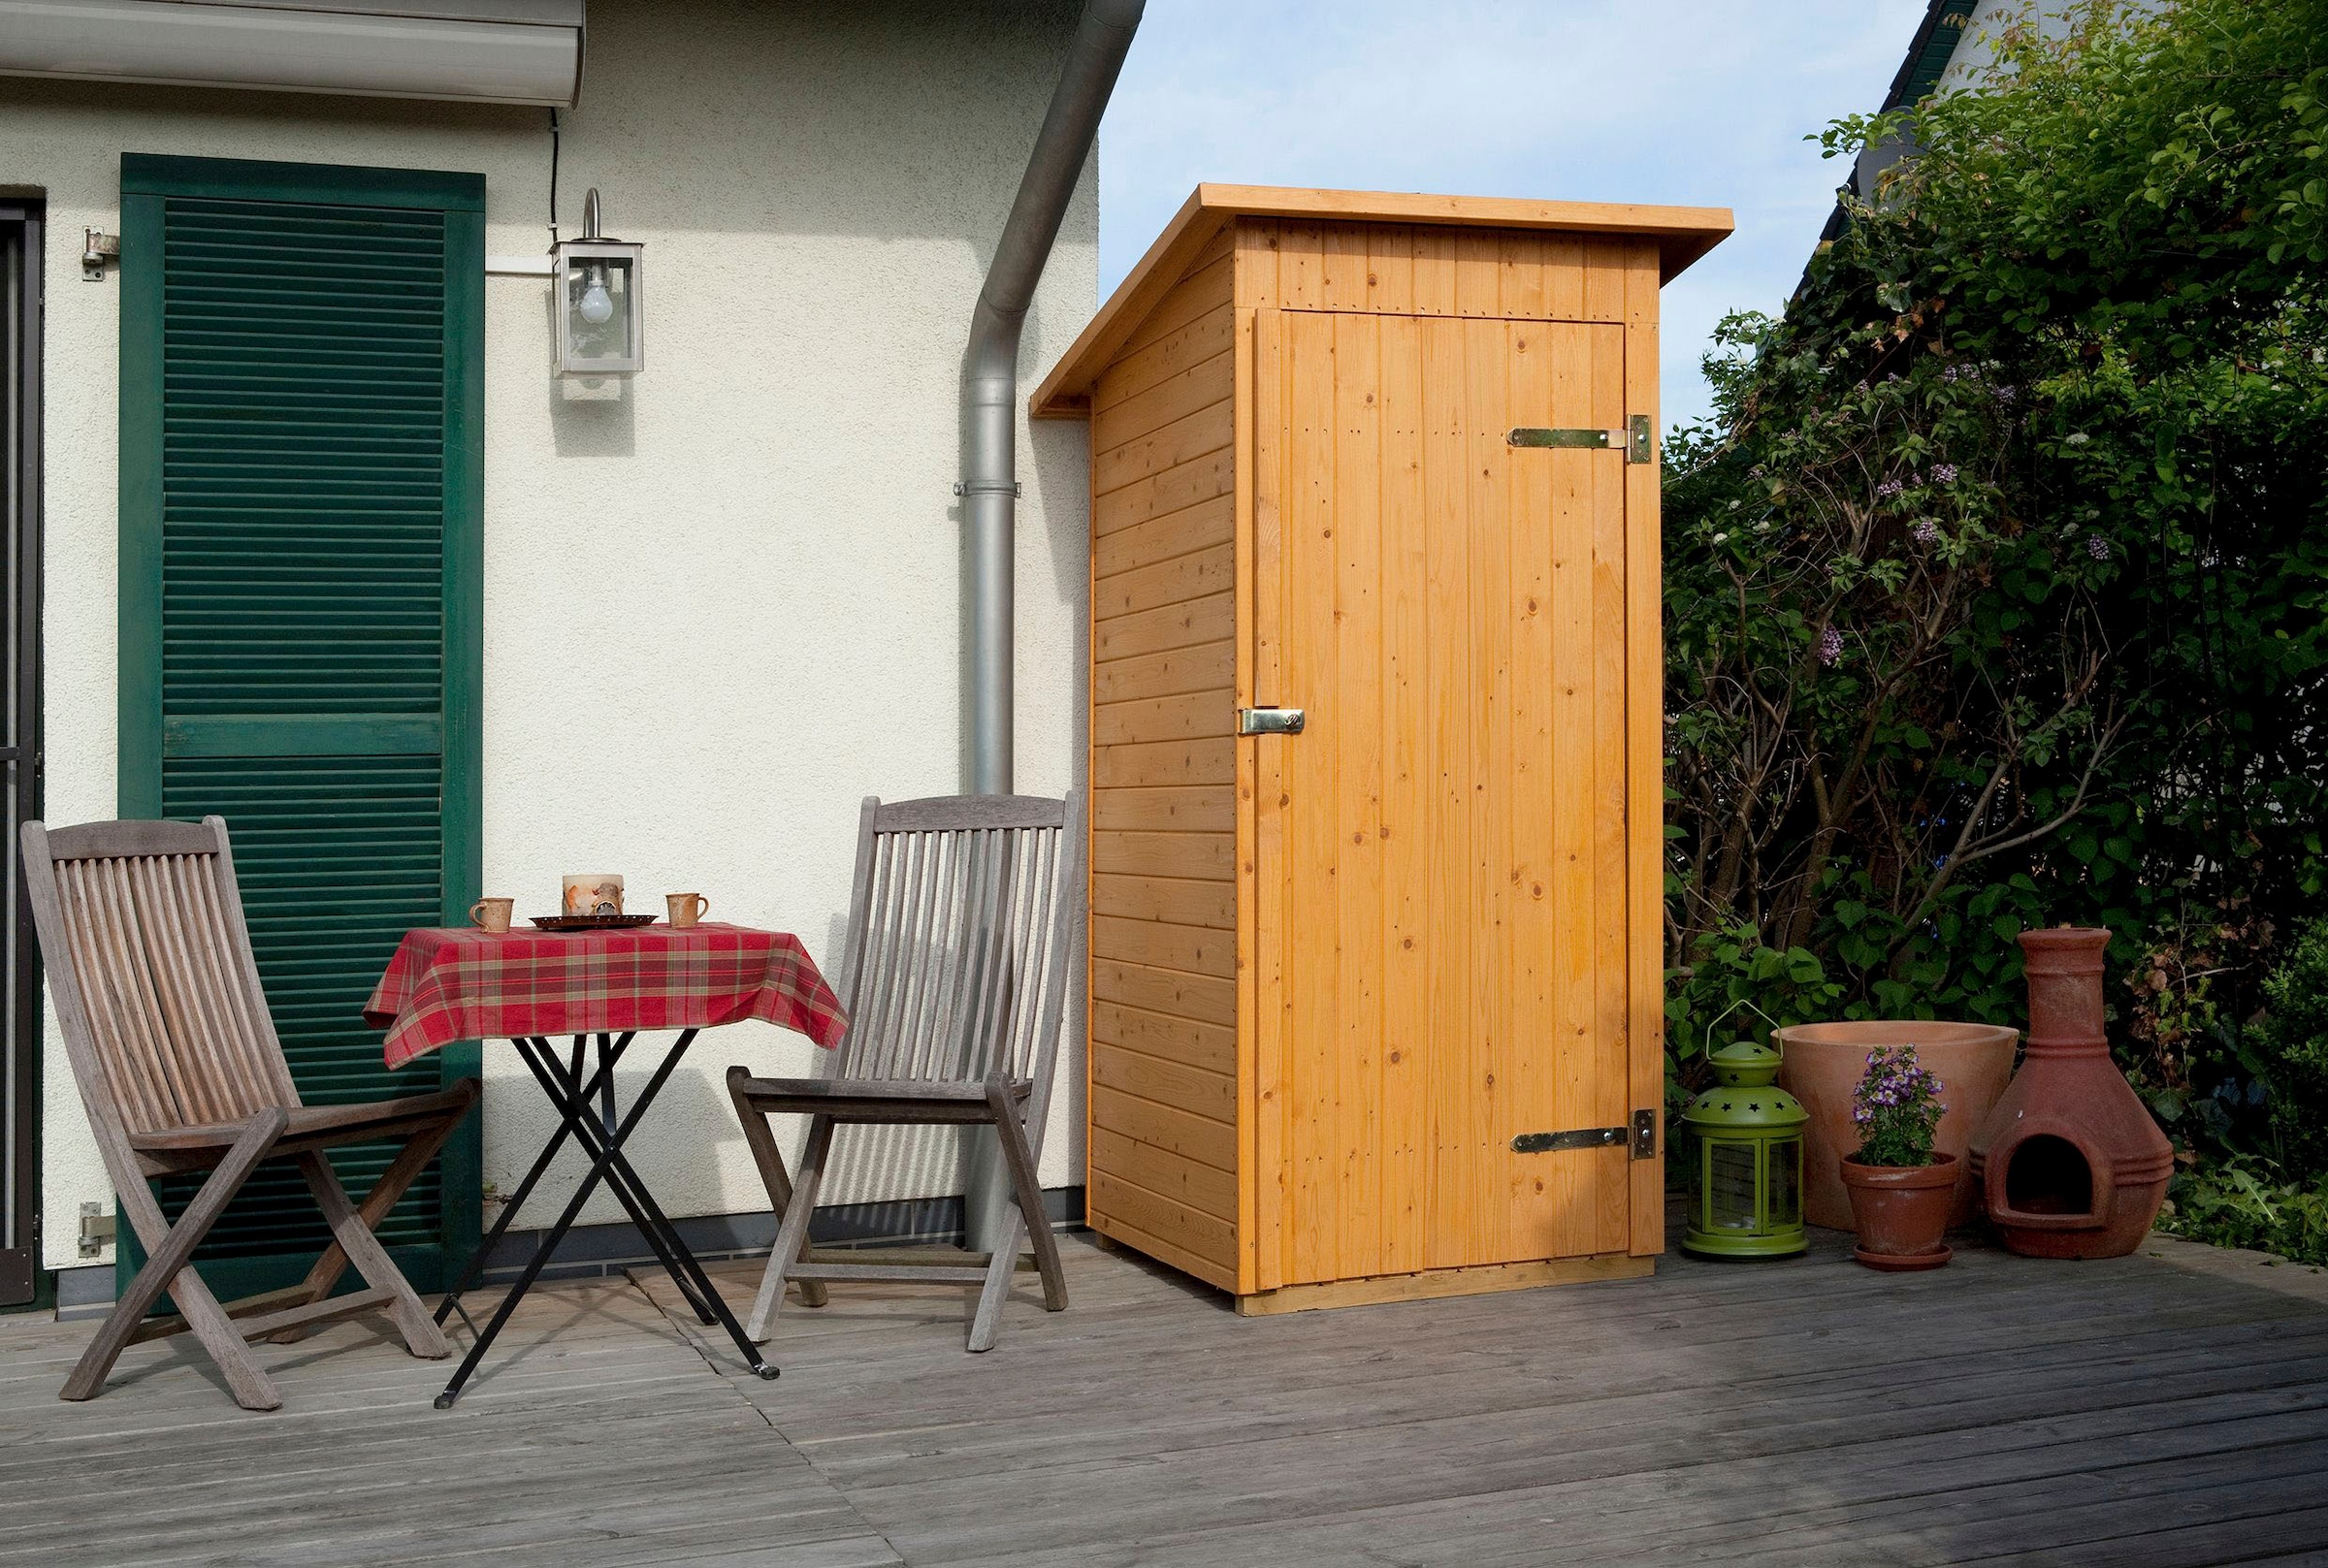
(491, 914)
(686, 908)
(600, 894)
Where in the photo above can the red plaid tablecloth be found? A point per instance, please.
(444, 986)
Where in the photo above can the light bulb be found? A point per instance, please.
(597, 304)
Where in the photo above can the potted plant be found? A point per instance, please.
(1900, 1188)
(1822, 1066)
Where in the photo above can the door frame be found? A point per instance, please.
(23, 1281)
(148, 182)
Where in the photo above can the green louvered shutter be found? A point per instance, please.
(300, 361)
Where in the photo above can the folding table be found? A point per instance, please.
(607, 986)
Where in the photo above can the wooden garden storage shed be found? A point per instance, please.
(1376, 1005)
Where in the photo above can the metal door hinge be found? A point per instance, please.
(96, 1229)
(1632, 440)
(1641, 1137)
(1270, 720)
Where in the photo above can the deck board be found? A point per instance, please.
(2130, 1413)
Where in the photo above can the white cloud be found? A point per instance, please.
(1698, 101)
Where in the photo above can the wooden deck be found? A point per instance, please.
(2129, 1413)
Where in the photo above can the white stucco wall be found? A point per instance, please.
(762, 531)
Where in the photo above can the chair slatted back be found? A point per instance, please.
(157, 961)
(962, 933)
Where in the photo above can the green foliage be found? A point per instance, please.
(1997, 594)
(1742, 987)
(2240, 1202)
(2290, 1050)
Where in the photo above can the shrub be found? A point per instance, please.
(1997, 595)
(2240, 1202)
(2291, 1051)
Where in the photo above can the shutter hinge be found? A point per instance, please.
(97, 247)
(96, 1230)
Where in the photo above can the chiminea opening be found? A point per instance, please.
(2047, 1175)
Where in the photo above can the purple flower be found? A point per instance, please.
(2006, 395)
(1943, 473)
(1949, 374)
(2097, 546)
(1831, 647)
(1889, 489)
(1925, 532)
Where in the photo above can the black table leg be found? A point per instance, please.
(566, 1092)
(525, 1279)
(466, 1280)
(572, 1097)
(678, 1260)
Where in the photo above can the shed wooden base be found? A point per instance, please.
(1476, 1281)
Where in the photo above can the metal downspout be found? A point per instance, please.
(990, 486)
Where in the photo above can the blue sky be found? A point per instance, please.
(1696, 102)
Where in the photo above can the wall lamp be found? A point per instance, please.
(601, 316)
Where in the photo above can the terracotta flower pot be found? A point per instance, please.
(1902, 1211)
(1822, 1066)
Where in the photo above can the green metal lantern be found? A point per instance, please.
(1749, 1159)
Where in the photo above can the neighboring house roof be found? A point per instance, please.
(1943, 26)
(1683, 234)
(1945, 23)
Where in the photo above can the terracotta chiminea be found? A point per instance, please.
(2071, 1162)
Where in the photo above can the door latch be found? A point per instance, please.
(1270, 720)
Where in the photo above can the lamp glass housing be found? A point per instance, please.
(602, 314)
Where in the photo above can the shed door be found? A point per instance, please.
(301, 422)
(1451, 853)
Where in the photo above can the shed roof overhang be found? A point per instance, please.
(1683, 234)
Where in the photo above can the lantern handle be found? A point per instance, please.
(1707, 1044)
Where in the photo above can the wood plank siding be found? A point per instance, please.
(1418, 270)
(1163, 1050)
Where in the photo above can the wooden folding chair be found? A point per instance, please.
(149, 963)
(961, 936)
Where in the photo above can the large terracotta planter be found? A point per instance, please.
(2072, 1164)
(1902, 1211)
(1822, 1066)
